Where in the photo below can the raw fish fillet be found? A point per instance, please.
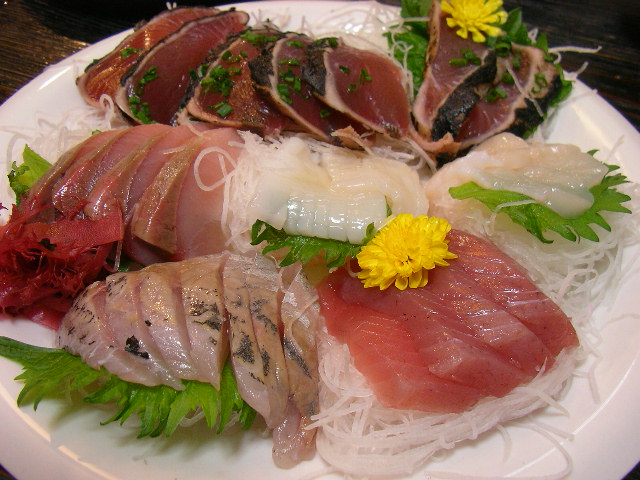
(479, 328)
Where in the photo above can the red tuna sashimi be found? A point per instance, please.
(447, 93)
(103, 76)
(156, 87)
(226, 95)
(489, 268)
(384, 350)
(465, 326)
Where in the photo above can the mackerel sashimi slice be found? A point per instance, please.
(479, 328)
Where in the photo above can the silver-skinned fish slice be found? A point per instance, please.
(205, 313)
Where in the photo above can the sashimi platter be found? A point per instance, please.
(319, 240)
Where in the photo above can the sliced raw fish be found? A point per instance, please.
(84, 331)
(102, 77)
(180, 211)
(365, 85)
(226, 94)
(479, 323)
(385, 351)
(176, 321)
(205, 313)
(489, 268)
(124, 315)
(42, 191)
(517, 103)
(73, 189)
(448, 91)
(278, 72)
(263, 283)
(154, 90)
(163, 314)
(244, 354)
(292, 441)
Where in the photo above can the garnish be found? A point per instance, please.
(467, 56)
(22, 177)
(302, 248)
(403, 252)
(139, 108)
(50, 371)
(409, 41)
(481, 18)
(128, 51)
(538, 218)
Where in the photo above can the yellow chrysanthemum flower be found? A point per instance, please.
(475, 17)
(403, 251)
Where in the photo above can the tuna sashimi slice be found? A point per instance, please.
(156, 87)
(508, 284)
(226, 94)
(102, 77)
(384, 350)
(479, 323)
(447, 93)
(517, 103)
(365, 85)
(278, 72)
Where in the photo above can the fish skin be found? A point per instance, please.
(205, 313)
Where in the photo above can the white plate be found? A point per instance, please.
(57, 442)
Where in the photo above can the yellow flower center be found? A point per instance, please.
(403, 251)
(478, 17)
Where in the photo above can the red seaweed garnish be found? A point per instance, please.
(44, 265)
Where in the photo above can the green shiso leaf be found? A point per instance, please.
(22, 177)
(55, 372)
(415, 37)
(538, 218)
(302, 248)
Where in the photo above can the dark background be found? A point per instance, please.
(38, 33)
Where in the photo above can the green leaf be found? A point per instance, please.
(22, 177)
(414, 8)
(302, 248)
(538, 218)
(415, 36)
(49, 371)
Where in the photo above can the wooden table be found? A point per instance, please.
(38, 33)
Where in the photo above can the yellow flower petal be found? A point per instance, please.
(478, 17)
(403, 251)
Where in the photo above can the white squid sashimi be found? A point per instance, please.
(556, 175)
(314, 189)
